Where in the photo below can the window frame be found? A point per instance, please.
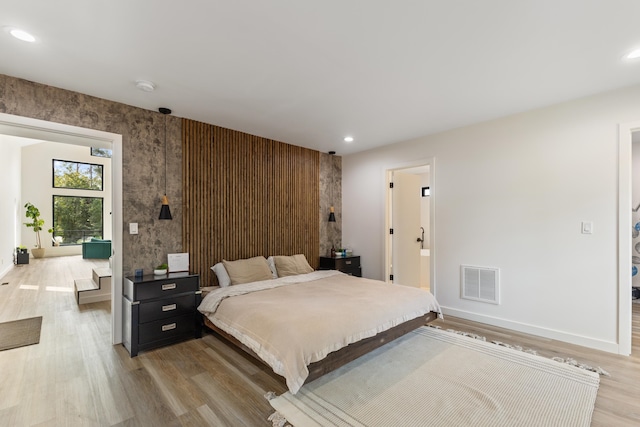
(53, 175)
(91, 151)
(53, 215)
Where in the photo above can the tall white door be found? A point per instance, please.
(405, 220)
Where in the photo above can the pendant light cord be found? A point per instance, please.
(165, 154)
(165, 112)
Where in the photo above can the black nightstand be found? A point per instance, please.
(160, 310)
(349, 264)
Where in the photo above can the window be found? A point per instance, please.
(84, 176)
(101, 152)
(76, 219)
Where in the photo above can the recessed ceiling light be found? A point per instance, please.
(22, 35)
(145, 85)
(348, 139)
(633, 54)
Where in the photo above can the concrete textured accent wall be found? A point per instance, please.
(143, 164)
(143, 160)
(330, 195)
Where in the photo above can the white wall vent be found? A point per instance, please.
(481, 284)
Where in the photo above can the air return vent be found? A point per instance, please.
(481, 284)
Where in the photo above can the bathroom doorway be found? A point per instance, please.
(410, 226)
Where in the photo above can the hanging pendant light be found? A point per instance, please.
(332, 214)
(165, 213)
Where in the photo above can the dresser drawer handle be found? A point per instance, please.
(168, 307)
(168, 286)
(168, 327)
(348, 262)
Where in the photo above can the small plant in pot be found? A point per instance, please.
(33, 214)
(161, 269)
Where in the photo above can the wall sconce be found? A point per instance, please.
(332, 215)
(165, 213)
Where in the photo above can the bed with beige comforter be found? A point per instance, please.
(294, 321)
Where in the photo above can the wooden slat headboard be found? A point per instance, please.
(245, 196)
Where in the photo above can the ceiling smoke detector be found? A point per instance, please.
(145, 85)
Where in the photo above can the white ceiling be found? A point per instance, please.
(311, 72)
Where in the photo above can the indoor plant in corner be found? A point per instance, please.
(36, 223)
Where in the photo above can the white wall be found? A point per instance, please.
(9, 208)
(37, 188)
(511, 193)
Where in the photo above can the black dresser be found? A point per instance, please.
(160, 310)
(349, 265)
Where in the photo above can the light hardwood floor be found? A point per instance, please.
(74, 376)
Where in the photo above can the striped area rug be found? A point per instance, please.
(435, 378)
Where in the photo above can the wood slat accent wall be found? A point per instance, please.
(245, 196)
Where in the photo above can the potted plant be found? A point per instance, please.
(36, 223)
(161, 269)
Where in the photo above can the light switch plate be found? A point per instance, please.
(587, 227)
(133, 228)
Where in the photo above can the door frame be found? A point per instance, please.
(625, 222)
(27, 127)
(388, 253)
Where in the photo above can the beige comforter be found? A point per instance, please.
(297, 320)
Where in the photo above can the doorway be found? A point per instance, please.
(626, 133)
(410, 225)
(48, 131)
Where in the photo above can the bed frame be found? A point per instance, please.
(341, 357)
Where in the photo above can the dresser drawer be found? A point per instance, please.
(349, 265)
(160, 310)
(167, 307)
(163, 287)
(166, 328)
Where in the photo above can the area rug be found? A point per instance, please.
(438, 378)
(19, 333)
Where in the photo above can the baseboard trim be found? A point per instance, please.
(608, 346)
(6, 270)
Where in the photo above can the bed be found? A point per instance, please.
(308, 323)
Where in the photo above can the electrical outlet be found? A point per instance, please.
(133, 228)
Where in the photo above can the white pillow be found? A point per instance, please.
(272, 266)
(221, 273)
